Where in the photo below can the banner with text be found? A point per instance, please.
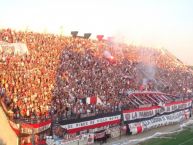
(97, 121)
(35, 128)
(138, 127)
(148, 112)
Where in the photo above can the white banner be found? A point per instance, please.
(140, 113)
(152, 111)
(155, 122)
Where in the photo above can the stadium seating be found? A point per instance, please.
(59, 73)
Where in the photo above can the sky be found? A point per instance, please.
(152, 23)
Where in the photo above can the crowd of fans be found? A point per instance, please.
(59, 72)
(27, 81)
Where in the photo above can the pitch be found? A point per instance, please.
(184, 137)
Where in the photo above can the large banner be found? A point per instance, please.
(148, 112)
(35, 128)
(138, 127)
(91, 122)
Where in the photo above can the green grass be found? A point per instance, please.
(181, 138)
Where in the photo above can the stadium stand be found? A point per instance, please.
(64, 77)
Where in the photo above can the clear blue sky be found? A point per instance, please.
(155, 23)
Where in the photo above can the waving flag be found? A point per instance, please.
(93, 100)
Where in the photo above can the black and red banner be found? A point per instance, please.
(100, 120)
(30, 128)
(35, 128)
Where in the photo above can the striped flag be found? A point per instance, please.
(93, 100)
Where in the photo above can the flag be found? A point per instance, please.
(90, 139)
(93, 100)
(100, 134)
